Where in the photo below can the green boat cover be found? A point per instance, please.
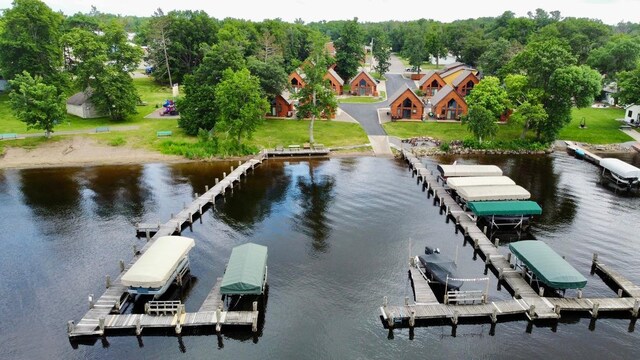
(245, 271)
(504, 208)
(547, 265)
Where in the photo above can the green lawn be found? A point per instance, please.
(289, 132)
(445, 131)
(361, 99)
(601, 126)
(425, 65)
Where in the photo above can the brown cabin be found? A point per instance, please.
(335, 81)
(465, 82)
(296, 80)
(406, 105)
(431, 83)
(283, 105)
(447, 104)
(364, 84)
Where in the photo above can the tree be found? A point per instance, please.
(35, 103)
(241, 104)
(490, 95)
(480, 122)
(435, 45)
(415, 51)
(30, 41)
(315, 99)
(620, 54)
(114, 94)
(349, 49)
(273, 78)
(497, 56)
(530, 116)
(197, 106)
(629, 85)
(381, 52)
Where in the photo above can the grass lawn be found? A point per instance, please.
(445, 131)
(290, 132)
(361, 99)
(601, 126)
(425, 65)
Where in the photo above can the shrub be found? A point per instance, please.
(117, 141)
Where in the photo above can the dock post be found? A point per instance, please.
(224, 175)
(579, 293)
(484, 230)
(636, 308)
(532, 311)
(516, 293)
(254, 323)
(594, 311)
(91, 301)
(101, 323)
(138, 326)
(541, 291)
(190, 217)
(70, 326)
(107, 281)
(121, 263)
(620, 293)
(412, 318)
(217, 181)
(239, 162)
(475, 243)
(147, 234)
(454, 320)
(232, 169)
(196, 195)
(206, 188)
(406, 301)
(135, 250)
(500, 273)
(487, 263)
(218, 316)
(595, 258)
(497, 242)
(494, 316)
(509, 258)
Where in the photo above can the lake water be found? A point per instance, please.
(339, 232)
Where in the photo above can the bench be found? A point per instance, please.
(306, 146)
(294, 147)
(8, 136)
(164, 133)
(318, 147)
(162, 307)
(102, 129)
(279, 148)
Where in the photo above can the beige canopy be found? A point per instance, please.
(457, 182)
(488, 193)
(469, 170)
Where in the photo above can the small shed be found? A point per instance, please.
(80, 105)
(363, 84)
(431, 83)
(246, 272)
(283, 105)
(632, 114)
(335, 81)
(447, 104)
(405, 104)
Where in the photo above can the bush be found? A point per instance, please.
(445, 147)
(419, 92)
(117, 141)
(517, 144)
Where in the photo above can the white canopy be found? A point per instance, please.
(488, 193)
(469, 170)
(457, 182)
(620, 168)
(155, 267)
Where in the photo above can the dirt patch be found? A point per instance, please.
(78, 151)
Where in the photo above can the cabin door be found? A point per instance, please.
(363, 88)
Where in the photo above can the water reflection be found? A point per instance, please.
(316, 192)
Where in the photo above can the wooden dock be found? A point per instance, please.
(101, 317)
(589, 156)
(422, 293)
(297, 152)
(525, 299)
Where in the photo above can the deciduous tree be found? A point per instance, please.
(480, 122)
(490, 95)
(35, 103)
(349, 49)
(629, 85)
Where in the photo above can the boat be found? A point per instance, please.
(166, 260)
(440, 269)
(543, 265)
(493, 193)
(246, 272)
(505, 213)
(620, 172)
(455, 170)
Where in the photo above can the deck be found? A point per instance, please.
(101, 317)
(525, 299)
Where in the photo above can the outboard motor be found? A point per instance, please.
(429, 251)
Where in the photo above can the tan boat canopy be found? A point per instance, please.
(457, 182)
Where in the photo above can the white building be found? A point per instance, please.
(80, 105)
(632, 114)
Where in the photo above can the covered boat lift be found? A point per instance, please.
(493, 193)
(455, 170)
(505, 213)
(620, 172)
(542, 264)
(166, 260)
(246, 272)
(457, 182)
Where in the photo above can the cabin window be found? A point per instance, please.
(453, 111)
(630, 113)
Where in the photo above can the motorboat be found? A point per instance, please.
(440, 268)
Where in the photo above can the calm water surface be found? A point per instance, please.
(339, 233)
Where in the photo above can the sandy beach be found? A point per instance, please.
(79, 151)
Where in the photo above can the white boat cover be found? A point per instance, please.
(620, 168)
(488, 193)
(155, 267)
(457, 182)
(469, 170)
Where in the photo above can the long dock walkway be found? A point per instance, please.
(525, 299)
(99, 317)
(422, 293)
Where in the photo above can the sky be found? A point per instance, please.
(609, 11)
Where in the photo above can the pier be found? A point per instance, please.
(534, 305)
(104, 312)
(297, 151)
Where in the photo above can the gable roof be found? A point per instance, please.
(366, 74)
(445, 73)
(80, 98)
(441, 94)
(336, 76)
(286, 95)
(462, 77)
(453, 65)
(401, 91)
(427, 76)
